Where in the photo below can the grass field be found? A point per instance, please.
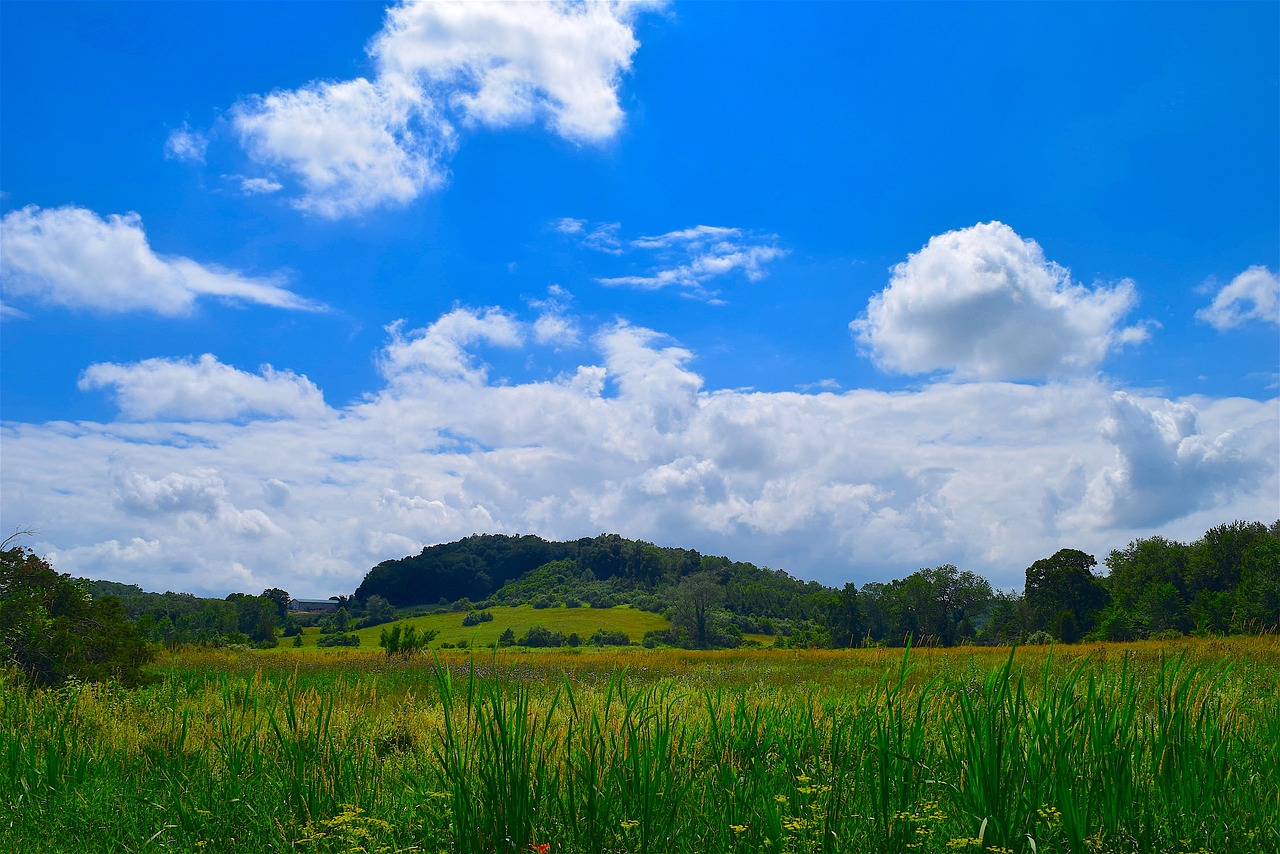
(583, 621)
(1149, 747)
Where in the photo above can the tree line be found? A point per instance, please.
(54, 627)
(1227, 581)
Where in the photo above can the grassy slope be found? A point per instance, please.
(520, 619)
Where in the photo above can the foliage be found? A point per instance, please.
(1063, 595)
(338, 640)
(604, 637)
(541, 636)
(405, 641)
(377, 610)
(695, 600)
(475, 618)
(52, 630)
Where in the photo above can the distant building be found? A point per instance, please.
(313, 604)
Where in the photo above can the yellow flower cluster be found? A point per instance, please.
(351, 830)
(1050, 815)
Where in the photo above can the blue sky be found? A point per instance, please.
(842, 289)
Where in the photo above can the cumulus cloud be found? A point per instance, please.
(984, 303)
(186, 145)
(1252, 295)
(199, 491)
(72, 257)
(204, 390)
(858, 485)
(439, 350)
(354, 145)
(508, 63)
(1166, 466)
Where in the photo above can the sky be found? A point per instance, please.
(843, 289)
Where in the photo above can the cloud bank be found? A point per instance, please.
(859, 485)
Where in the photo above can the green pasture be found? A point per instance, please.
(584, 621)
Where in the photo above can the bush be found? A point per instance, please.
(338, 640)
(541, 636)
(544, 602)
(404, 640)
(475, 618)
(605, 637)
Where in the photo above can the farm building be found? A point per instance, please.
(313, 604)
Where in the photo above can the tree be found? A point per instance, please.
(377, 610)
(845, 618)
(1258, 596)
(695, 598)
(281, 598)
(51, 630)
(1062, 593)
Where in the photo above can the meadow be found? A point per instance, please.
(582, 621)
(1170, 747)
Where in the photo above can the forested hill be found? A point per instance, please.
(1228, 581)
(599, 571)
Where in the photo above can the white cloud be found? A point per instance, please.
(360, 144)
(204, 390)
(199, 491)
(259, 186)
(860, 485)
(687, 259)
(440, 349)
(602, 236)
(509, 63)
(72, 257)
(185, 145)
(983, 303)
(353, 145)
(1252, 295)
(554, 326)
(1166, 466)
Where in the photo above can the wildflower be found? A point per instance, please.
(630, 824)
(540, 847)
(738, 828)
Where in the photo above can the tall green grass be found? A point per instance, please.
(1121, 750)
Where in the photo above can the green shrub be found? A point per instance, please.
(338, 640)
(475, 618)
